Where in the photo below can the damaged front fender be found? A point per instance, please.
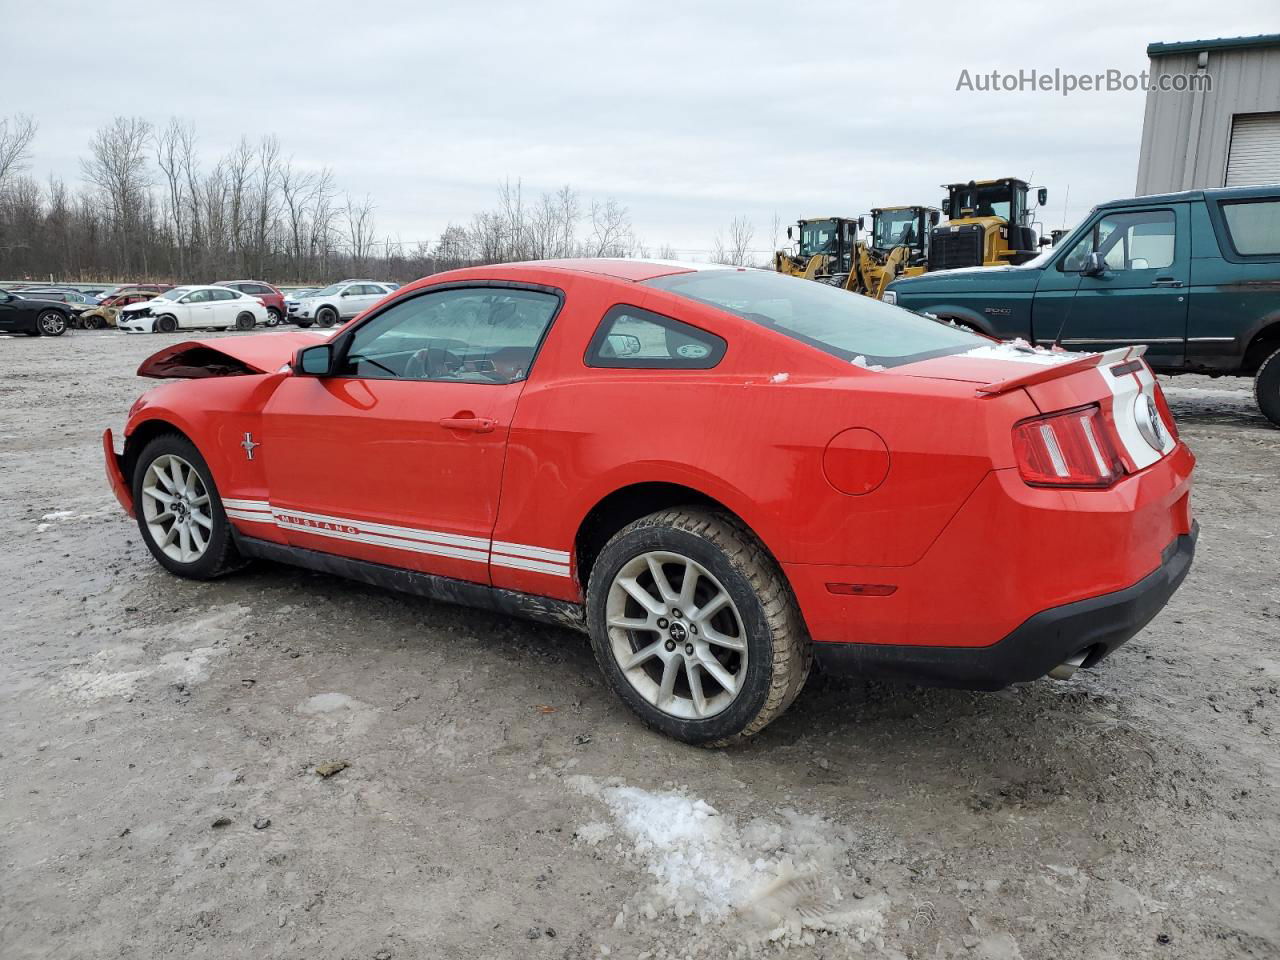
(228, 356)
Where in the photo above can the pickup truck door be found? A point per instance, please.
(1141, 297)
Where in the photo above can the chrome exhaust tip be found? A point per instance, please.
(1067, 668)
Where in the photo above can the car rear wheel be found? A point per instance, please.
(1266, 388)
(695, 627)
(51, 323)
(245, 321)
(179, 511)
(326, 316)
(274, 317)
(166, 324)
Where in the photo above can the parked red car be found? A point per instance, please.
(271, 298)
(720, 474)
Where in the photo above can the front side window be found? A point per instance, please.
(853, 328)
(198, 296)
(1142, 240)
(1254, 227)
(631, 337)
(467, 335)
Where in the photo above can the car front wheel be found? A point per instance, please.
(51, 323)
(327, 316)
(179, 511)
(166, 324)
(1266, 388)
(695, 627)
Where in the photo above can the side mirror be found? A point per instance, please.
(1094, 265)
(789, 237)
(862, 224)
(346, 293)
(1042, 196)
(934, 217)
(946, 206)
(623, 344)
(314, 361)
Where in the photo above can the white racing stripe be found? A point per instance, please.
(517, 556)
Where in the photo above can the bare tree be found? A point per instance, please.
(360, 228)
(169, 144)
(610, 229)
(16, 134)
(736, 251)
(117, 166)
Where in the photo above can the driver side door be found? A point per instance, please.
(396, 457)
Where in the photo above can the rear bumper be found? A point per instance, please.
(115, 475)
(1098, 625)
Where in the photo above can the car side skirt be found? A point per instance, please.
(1098, 625)
(445, 589)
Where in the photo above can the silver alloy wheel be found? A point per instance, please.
(175, 506)
(676, 634)
(52, 323)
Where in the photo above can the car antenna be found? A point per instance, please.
(1057, 340)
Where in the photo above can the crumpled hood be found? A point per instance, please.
(229, 356)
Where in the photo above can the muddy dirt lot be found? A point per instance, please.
(158, 793)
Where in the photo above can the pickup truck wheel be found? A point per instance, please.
(1266, 388)
(695, 627)
(179, 511)
(326, 316)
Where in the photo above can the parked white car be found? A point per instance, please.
(338, 301)
(187, 308)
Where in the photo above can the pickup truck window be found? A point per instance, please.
(1142, 240)
(1254, 227)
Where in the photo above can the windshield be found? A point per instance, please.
(845, 325)
(174, 294)
(988, 201)
(894, 228)
(330, 291)
(816, 237)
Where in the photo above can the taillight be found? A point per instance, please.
(1163, 406)
(1070, 449)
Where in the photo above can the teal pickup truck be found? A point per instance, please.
(1194, 275)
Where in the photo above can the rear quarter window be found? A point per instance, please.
(629, 337)
(1254, 227)
(846, 325)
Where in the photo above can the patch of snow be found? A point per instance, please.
(1021, 351)
(780, 378)
(784, 881)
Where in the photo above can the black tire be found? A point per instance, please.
(51, 323)
(246, 321)
(220, 556)
(166, 324)
(778, 650)
(92, 323)
(326, 316)
(274, 317)
(1266, 388)
(304, 323)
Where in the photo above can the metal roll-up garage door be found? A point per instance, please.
(1255, 149)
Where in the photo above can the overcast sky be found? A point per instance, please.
(689, 113)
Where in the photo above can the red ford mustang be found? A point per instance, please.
(720, 474)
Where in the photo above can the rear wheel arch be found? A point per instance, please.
(966, 320)
(628, 504)
(1264, 343)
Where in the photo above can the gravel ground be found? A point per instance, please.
(159, 794)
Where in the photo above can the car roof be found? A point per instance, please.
(618, 268)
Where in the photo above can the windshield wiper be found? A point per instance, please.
(380, 366)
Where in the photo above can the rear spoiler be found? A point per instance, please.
(1052, 372)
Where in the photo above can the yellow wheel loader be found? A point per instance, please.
(898, 246)
(824, 250)
(990, 224)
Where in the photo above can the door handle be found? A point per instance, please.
(1166, 282)
(472, 424)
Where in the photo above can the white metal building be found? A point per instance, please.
(1227, 135)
